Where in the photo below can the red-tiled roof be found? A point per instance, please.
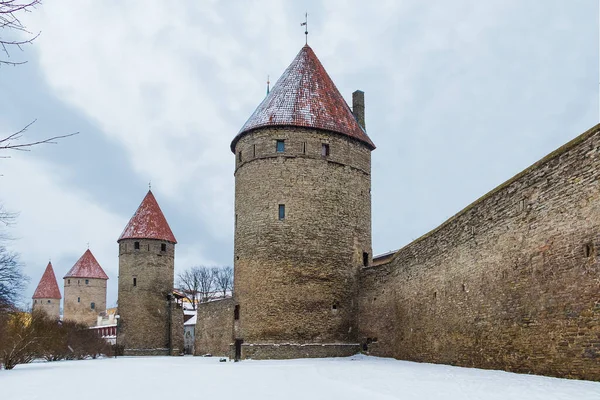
(305, 96)
(47, 288)
(86, 267)
(148, 222)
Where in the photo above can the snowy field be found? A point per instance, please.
(349, 378)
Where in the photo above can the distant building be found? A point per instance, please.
(85, 290)
(47, 294)
(189, 330)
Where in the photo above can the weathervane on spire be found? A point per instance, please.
(268, 83)
(305, 23)
(149, 185)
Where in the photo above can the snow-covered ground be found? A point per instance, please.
(357, 377)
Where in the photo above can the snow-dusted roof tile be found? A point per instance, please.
(87, 267)
(148, 222)
(48, 287)
(305, 96)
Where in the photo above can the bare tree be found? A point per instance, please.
(189, 283)
(14, 35)
(10, 10)
(224, 279)
(12, 279)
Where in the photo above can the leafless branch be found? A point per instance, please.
(8, 143)
(9, 21)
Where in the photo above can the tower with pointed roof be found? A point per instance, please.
(85, 290)
(47, 294)
(302, 218)
(146, 275)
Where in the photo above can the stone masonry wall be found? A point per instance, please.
(214, 328)
(296, 279)
(143, 306)
(50, 306)
(80, 293)
(177, 345)
(511, 282)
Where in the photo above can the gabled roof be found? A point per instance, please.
(148, 222)
(48, 287)
(305, 96)
(86, 267)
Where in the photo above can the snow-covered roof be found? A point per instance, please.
(87, 267)
(48, 287)
(305, 96)
(148, 222)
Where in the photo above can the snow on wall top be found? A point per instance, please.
(148, 222)
(48, 287)
(86, 267)
(305, 96)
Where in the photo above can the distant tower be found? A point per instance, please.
(302, 218)
(47, 294)
(146, 273)
(85, 290)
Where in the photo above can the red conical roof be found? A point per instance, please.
(148, 222)
(47, 288)
(305, 96)
(86, 267)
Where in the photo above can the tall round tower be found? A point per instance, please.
(302, 218)
(46, 297)
(146, 273)
(85, 290)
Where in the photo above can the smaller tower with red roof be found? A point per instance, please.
(47, 295)
(85, 290)
(146, 275)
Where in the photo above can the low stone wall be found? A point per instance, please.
(287, 351)
(511, 282)
(214, 328)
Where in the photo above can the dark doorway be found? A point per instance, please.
(238, 349)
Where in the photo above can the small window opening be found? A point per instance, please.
(334, 306)
(280, 146)
(148, 247)
(236, 312)
(281, 212)
(588, 250)
(79, 300)
(35, 301)
(365, 259)
(163, 247)
(303, 147)
(87, 281)
(435, 295)
(136, 245)
(134, 281)
(253, 150)
(68, 281)
(325, 149)
(239, 156)
(464, 288)
(93, 305)
(48, 301)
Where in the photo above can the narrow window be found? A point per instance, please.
(163, 247)
(236, 312)
(464, 288)
(87, 281)
(78, 299)
(303, 147)
(281, 211)
(136, 245)
(35, 301)
(280, 146)
(334, 306)
(68, 281)
(365, 259)
(48, 301)
(239, 156)
(588, 250)
(253, 150)
(92, 306)
(435, 295)
(148, 247)
(324, 149)
(134, 281)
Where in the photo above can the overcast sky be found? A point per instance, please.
(460, 96)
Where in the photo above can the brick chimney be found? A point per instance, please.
(358, 107)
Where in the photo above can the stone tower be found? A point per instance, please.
(47, 295)
(302, 218)
(85, 290)
(146, 273)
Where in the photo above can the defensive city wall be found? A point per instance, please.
(511, 282)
